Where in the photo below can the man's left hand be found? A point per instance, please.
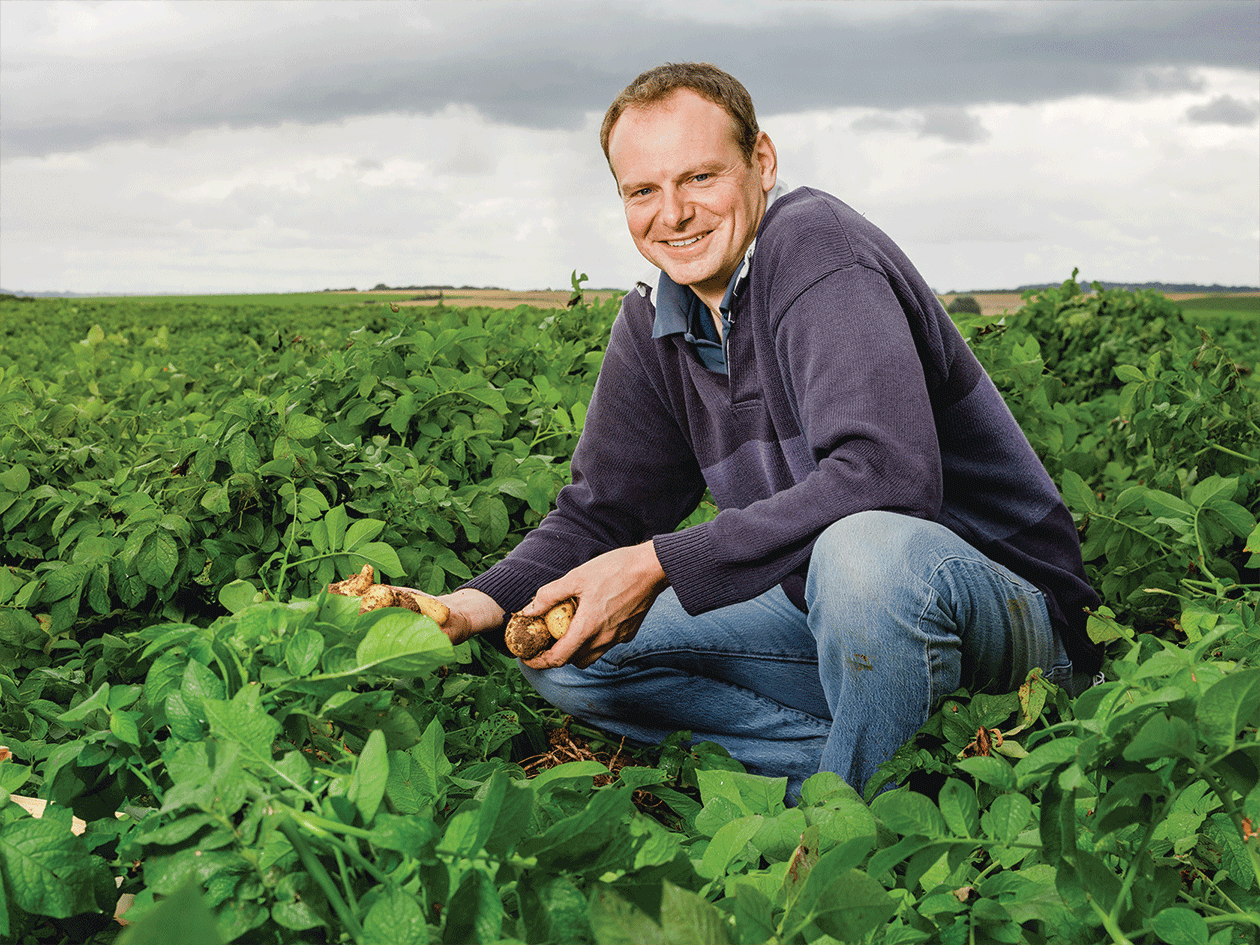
(614, 592)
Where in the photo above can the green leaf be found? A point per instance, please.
(1129, 373)
(371, 774)
(728, 843)
(1234, 855)
(1160, 737)
(991, 770)
(237, 595)
(302, 652)
(216, 500)
(1180, 926)
(1212, 488)
(1007, 817)
(379, 555)
(844, 902)
(618, 922)
(1230, 705)
(48, 870)
(242, 720)
(474, 913)
(16, 478)
(362, 531)
(402, 643)
(750, 793)
(179, 919)
(909, 814)
(1166, 505)
(687, 919)
(243, 453)
(157, 558)
(960, 808)
(98, 700)
(335, 522)
(1078, 495)
(123, 726)
(568, 770)
(301, 426)
(395, 917)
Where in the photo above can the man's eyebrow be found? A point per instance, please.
(630, 187)
(704, 167)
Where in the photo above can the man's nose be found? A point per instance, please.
(675, 210)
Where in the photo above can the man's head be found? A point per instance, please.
(707, 81)
(693, 195)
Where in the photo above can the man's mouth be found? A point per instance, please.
(679, 244)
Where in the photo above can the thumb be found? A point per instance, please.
(548, 596)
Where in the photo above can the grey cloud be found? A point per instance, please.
(878, 122)
(952, 124)
(1225, 110)
(955, 125)
(549, 64)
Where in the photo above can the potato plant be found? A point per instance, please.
(254, 760)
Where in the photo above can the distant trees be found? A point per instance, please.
(966, 304)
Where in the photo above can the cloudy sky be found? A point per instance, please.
(254, 146)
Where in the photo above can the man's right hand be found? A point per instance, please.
(472, 612)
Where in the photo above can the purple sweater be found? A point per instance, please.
(849, 388)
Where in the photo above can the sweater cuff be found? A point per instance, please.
(687, 559)
(508, 587)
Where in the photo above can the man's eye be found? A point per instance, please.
(701, 177)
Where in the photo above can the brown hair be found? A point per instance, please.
(707, 81)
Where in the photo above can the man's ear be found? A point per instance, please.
(766, 160)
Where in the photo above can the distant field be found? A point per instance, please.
(495, 298)
(1242, 305)
(1210, 308)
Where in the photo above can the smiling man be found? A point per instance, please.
(885, 532)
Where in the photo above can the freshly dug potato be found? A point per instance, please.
(354, 586)
(526, 637)
(375, 596)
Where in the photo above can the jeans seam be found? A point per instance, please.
(691, 651)
(1005, 574)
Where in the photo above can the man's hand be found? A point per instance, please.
(614, 592)
(472, 612)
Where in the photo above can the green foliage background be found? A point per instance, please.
(259, 763)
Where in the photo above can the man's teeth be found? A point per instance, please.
(683, 242)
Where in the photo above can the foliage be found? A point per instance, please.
(257, 762)
(963, 304)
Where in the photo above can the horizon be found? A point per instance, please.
(1178, 287)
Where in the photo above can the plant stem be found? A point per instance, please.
(320, 875)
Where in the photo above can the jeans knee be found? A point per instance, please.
(865, 553)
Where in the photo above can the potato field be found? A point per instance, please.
(240, 756)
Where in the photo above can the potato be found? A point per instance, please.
(354, 586)
(526, 637)
(375, 596)
(558, 617)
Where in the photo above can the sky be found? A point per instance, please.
(197, 147)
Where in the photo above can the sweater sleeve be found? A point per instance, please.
(853, 378)
(633, 475)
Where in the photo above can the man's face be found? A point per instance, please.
(692, 202)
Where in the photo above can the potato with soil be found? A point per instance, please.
(374, 596)
(526, 637)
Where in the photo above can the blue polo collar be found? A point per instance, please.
(676, 304)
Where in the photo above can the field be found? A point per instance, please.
(245, 758)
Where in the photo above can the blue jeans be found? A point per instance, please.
(901, 613)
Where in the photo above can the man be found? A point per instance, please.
(886, 533)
